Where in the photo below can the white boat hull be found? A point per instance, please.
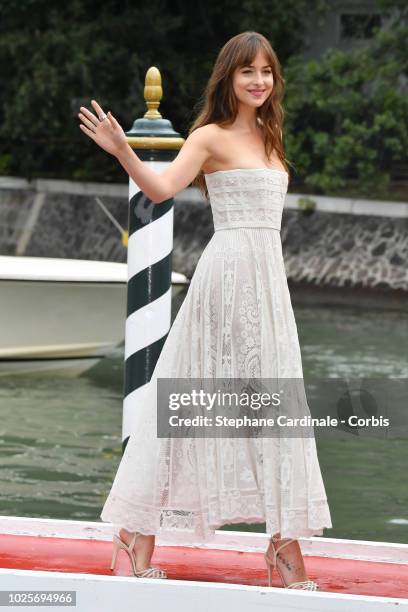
(57, 320)
(60, 314)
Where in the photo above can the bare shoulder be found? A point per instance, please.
(206, 139)
(206, 132)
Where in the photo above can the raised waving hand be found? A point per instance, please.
(107, 133)
(103, 129)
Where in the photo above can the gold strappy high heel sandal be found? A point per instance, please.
(307, 585)
(150, 572)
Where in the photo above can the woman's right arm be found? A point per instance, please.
(158, 187)
(178, 174)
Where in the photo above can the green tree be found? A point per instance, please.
(347, 114)
(57, 56)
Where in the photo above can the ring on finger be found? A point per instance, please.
(102, 117)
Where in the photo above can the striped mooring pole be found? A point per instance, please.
(150, 246)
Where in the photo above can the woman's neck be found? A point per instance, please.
(246, 120)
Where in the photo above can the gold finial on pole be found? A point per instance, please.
(159, 133)
(153, 93)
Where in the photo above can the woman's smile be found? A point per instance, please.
(258, 93)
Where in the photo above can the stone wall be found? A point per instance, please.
(323, 251)
(51, 224)
(343, 250)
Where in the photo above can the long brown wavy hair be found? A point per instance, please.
(219, 104)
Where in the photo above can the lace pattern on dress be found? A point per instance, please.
(247, 199)
(236, 321)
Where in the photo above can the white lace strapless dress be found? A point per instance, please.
(235, 321)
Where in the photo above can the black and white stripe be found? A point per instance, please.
(149, 293)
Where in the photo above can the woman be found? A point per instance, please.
(236, 321)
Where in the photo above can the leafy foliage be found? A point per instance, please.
(56, 56)
(346, 114)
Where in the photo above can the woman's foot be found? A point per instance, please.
(289, 560)
(142, 550)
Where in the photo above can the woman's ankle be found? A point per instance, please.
(276, 538)
(127, 535)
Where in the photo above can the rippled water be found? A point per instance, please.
(60, 438)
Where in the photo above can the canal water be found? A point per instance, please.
(60, 437)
